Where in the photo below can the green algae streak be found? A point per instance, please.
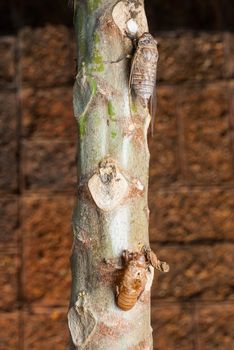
(82, 125)
(111, 111)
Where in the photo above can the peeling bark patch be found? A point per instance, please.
(143, 345)
(105, 330)
(138, 185)
(82, 324)
(113, 327)
(108, 187)
(136, 188)
(150, 277)
(111, 272)
(82, 235)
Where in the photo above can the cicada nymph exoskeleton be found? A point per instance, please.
(153, 260)
(142, 82)
(134, 280)
(135, 276)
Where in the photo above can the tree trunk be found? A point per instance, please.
(112, 213)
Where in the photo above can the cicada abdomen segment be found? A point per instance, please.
(127, 299)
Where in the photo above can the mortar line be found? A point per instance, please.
(181, 149)
(20, 189)
(196, 328)
(229, 72)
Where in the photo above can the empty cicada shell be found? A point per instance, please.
(135, 276)
(142, 82)
(134, 280)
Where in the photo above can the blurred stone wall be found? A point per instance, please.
(191, 189)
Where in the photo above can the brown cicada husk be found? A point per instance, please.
(142, 81)
(133, 282)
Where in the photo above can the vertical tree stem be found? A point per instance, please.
(111, 214)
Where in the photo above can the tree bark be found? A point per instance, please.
(112, 213)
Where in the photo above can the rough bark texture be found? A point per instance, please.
(111, 214)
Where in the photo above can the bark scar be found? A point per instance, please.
(87, 86)
(81, 321)
(108, 186)
(130, 18)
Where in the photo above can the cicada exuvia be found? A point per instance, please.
(133, 282)
(142, 82)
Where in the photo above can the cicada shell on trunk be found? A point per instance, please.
(142, 81)
(134, 281)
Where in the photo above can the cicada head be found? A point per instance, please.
(138, 259)
(146, 39)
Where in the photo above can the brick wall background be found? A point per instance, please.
(191, 189)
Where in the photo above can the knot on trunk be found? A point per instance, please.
(81, 321)
(108, 186)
